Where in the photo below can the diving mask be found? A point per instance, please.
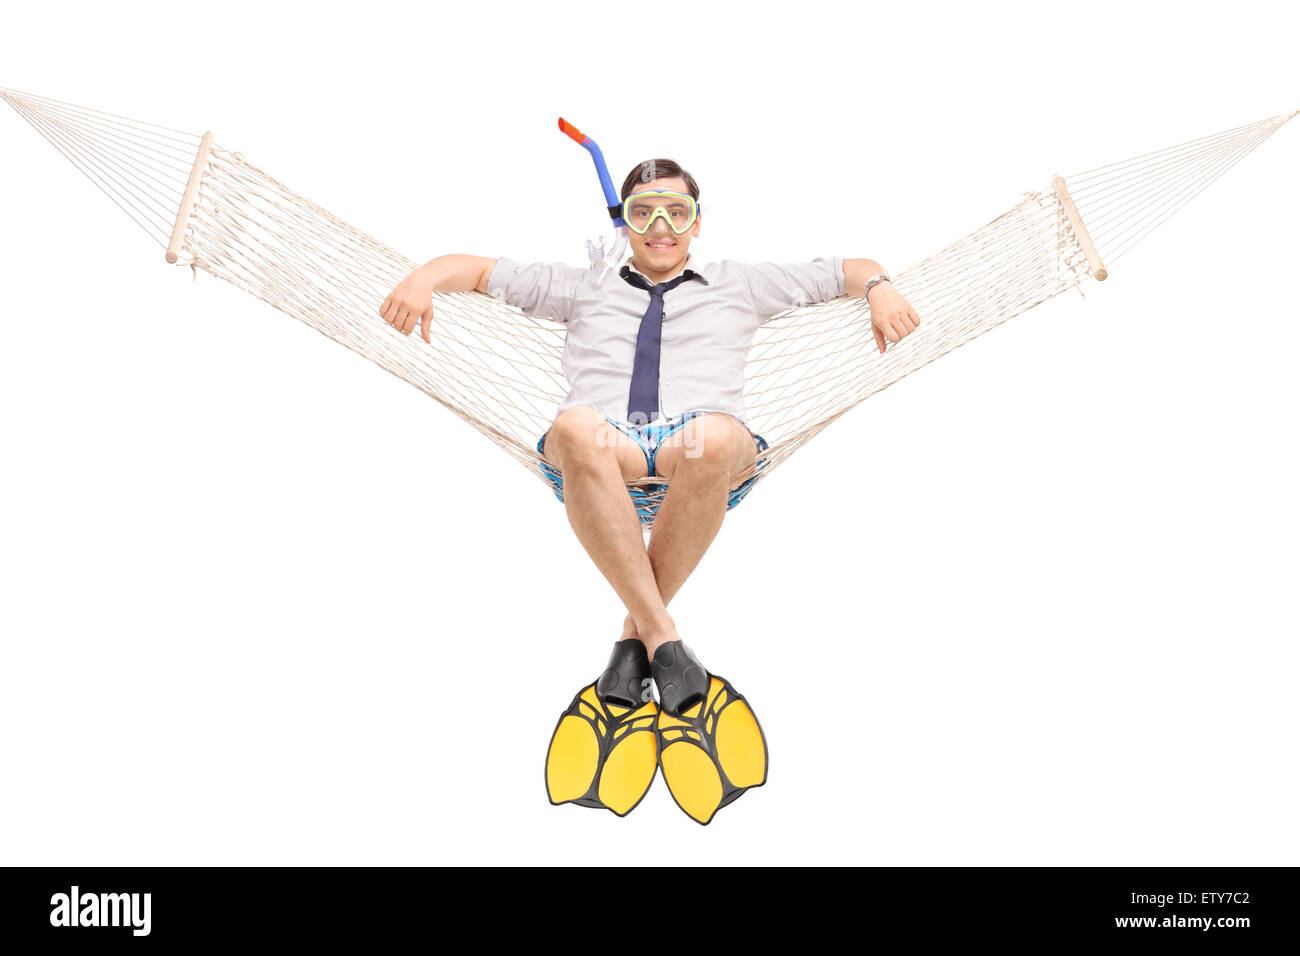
(678, 210)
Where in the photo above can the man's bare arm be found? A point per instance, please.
(412, 297)
(892, 317)
(459, 273)
(856, 274)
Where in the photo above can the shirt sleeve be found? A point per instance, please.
(777, 288)
(543, 289)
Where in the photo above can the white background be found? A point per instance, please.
(1035, 604)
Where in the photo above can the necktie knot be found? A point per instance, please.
(656, 289)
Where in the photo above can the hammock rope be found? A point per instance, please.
(499, 369)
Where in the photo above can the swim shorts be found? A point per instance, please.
(650, 438)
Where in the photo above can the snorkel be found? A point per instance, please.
(601, 263)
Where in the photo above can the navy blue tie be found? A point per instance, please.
(643, 396)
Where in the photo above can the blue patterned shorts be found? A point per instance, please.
(650, 437)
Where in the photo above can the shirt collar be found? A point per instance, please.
(692, 263)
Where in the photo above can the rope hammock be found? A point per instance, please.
(499, 369)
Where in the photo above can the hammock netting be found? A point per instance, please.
(499, 369)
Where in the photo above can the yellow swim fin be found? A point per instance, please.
(711, 748)
(604, 751)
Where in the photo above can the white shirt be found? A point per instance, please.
(708, 326)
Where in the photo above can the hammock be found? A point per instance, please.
(499, 369)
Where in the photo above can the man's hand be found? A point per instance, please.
(891, 316)
(412, 299)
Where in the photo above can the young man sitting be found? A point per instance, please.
(655, 360)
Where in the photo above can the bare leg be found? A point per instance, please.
(702, 463)
(597, 462)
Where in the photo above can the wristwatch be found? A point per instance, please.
(883, 277)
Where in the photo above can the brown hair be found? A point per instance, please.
(653, 169)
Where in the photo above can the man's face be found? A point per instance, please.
(660, 250)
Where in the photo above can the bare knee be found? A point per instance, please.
(575, 434)
(581, 438)
(711, 446)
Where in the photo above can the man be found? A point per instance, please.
(655, 359)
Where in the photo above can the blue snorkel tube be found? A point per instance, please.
(601, 264)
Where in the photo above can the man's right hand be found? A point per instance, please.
(412, 299)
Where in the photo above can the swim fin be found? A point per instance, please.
(604, 752)
(711, 748)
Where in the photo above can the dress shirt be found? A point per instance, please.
(709, 325)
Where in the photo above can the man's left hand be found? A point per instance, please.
(891, 316)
